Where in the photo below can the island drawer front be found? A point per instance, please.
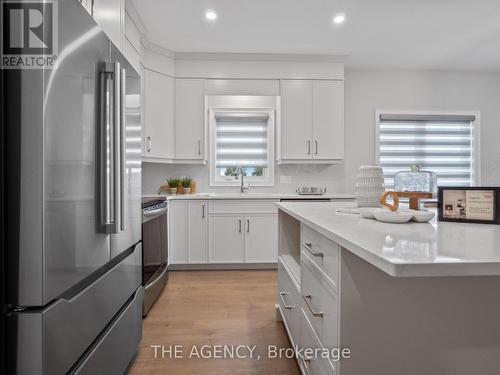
(289, 301)
(327, 253)
(316, 365)
(242, 206)
(319, 302)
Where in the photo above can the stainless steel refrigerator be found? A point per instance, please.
(71, 179)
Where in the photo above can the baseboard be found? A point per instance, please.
(222, 266)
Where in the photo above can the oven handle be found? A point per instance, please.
(158, 211)
(157, 279)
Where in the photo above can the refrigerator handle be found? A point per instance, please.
(123, 165)
(117, 145)
(106, 146)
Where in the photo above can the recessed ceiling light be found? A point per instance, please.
(210, 15)
(339, 18)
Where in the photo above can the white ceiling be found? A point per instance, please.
(424, 34)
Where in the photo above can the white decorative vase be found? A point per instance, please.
(370, 186)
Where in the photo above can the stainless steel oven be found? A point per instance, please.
(155, 250)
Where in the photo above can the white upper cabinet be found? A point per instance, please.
(296, 120)
(159, 93)
(311, 129)
(328, 120)
(110, 15)
(190, 140)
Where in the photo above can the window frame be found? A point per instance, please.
(476, 131)
(268, 178)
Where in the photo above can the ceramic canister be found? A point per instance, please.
(370, 186)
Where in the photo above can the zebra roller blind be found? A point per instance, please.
(440, 143)
(241, 140)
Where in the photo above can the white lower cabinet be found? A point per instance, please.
(197, 231)
(311, 315)
(188, 229)
(312, 364)
(261, 238)
(289, 302)
(207, 232)
(177, 232)
(226, 239)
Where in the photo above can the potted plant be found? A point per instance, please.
(172, 184)
(186, 184)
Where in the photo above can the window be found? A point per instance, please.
(447, 144)
(241, 139)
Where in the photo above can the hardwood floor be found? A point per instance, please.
(214, 308)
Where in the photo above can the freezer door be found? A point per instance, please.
(52, 340)
(129, 196)
(53, 242)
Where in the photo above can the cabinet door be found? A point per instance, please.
(109, 14)
(296, 119)
(178, 231)
(159, 115)
(197, 227)
(226, 239)
(261, 238)
(328, 120)
(189, 119)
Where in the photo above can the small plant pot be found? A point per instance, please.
(173, 190)
(187, 190)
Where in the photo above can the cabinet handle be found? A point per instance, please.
(248, 225)
(308, 247)
(308, 147)
(203, 212)
(307, 299)
(239, 229)
(316, 147)
(282, 297)
(148, 144)
(199, 146)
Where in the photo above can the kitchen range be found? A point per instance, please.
(181, 196)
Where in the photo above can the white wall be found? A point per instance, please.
(366, 91)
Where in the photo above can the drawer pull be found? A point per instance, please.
(305, 364)
(307, 299)
(308, 247)
(282, 296)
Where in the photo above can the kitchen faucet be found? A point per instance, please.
(240, 172)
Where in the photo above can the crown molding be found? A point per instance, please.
(136, 17)
(153, 47)
(259, 57)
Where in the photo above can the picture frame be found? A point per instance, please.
(471, 204)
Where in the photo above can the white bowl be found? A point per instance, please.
(393, 216)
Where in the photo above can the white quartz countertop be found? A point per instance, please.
(249, 195)
(410, 250)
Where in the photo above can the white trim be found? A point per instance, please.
(259, 57)
(268, 180)
(476, 126)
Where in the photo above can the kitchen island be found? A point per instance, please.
(418, 298)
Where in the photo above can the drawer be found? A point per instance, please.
(312, 365)
(319, 302)
(242, 206)
(69, 325)
(323, 252)
(116, 349)
(289, 302)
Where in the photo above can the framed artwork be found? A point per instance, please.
(469, 204)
